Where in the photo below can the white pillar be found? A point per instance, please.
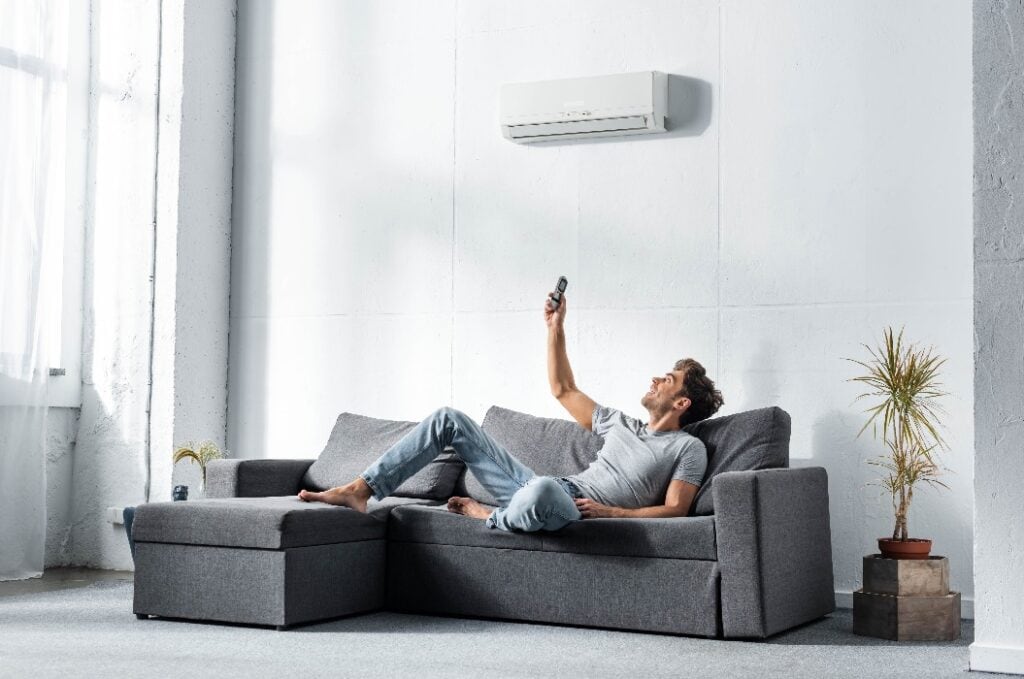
(999, 338)
(193, 234)
(109, 452)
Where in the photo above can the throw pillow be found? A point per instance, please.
(755, 439)
(356, 441)
(548, 446)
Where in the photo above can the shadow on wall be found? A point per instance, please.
(856, 516)
(689, 114)
(254, 36)
(761, 387)
(862, 511)
(835, 447)
(689, 106)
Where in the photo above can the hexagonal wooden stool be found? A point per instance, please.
(906, 600)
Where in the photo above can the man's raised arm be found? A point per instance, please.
(563, 385)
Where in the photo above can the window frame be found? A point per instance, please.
(64, 382)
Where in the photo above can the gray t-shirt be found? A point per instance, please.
(635, 466)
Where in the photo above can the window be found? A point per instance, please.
(44, 84)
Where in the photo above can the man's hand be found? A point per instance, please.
(563, 385)
(554, 318)
(595, 510)
(677, 503)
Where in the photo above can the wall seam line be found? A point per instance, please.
(231, 222)
(778, 306)
(718, 250)
(152, 265)
(455, 112)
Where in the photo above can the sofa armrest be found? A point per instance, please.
(774, 549)
(254, 478)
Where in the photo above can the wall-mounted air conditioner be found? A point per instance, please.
(601, 106)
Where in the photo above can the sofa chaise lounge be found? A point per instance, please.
(753, 559)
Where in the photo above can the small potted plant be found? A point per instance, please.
(201, 455)
(905, 380)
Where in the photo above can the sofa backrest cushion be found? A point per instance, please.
(548, 446)
(754, 439)
(356, 441)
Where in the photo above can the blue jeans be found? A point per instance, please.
(527, 502)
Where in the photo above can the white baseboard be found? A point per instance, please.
(1005, 659)
(844, 599)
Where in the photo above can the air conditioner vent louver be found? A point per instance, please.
(601, 106)
(576, 128)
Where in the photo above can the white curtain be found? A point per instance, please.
(33, 122)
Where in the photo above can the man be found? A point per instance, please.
(643, 470)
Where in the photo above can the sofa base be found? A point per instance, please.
(648, 594)
(258, 586)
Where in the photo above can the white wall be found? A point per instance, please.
(391, 252)
(193, 244)
(999, 336)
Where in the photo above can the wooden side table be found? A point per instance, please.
(906, 600)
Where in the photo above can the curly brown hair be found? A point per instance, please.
(705, 400)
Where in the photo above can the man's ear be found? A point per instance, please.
(682, 404)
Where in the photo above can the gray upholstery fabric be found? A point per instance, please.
(775, 549)
(280, 561)
(254, 478)
(657, 595)
(260, 523)
(356, 441)
(685, 538)
(755, 439)
(259, 586)
(438, 525)
(550, 447)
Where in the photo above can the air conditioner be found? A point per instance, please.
(601, 106)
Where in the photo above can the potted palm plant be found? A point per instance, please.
(904, 380)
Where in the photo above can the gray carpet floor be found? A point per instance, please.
(91, 632)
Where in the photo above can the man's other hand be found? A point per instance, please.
(595, 510)
(554, 317)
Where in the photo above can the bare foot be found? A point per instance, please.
(468, 506)
(354, 495)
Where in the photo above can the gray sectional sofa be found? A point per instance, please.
(753, 559)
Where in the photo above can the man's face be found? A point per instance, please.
(659, 398)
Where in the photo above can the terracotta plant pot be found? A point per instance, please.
(911, 548)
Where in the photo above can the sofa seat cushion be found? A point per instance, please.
(747, 441)
(357, 441)
(682, 538)
(260, 522)
(548, 446)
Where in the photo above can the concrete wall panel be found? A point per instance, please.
(620, 351)
(313, 368)
(844, 150)
(500, 358)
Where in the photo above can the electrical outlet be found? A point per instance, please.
(115, 515)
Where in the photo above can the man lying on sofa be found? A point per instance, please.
(643, 470)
